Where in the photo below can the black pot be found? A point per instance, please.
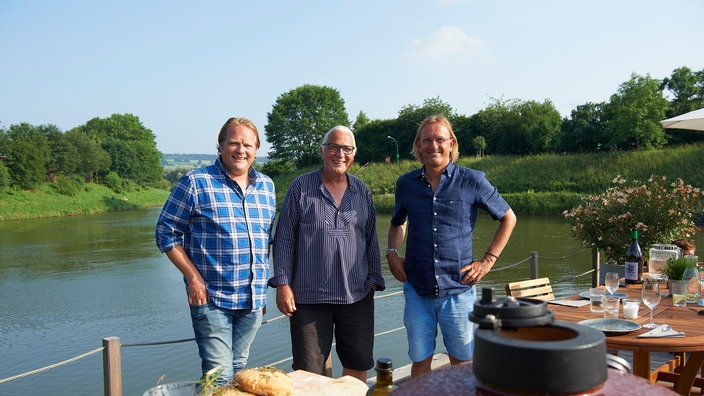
(520, 349)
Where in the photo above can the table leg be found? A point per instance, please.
(690, 370)
(641, 364)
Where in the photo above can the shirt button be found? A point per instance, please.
(435, 213)
(435, 229)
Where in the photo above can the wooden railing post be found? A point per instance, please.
(112, 370)
(534, 265)
(596, 267)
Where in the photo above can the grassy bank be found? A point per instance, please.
(542, 185)
(45, 202)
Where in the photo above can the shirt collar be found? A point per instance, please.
(448, 171)
(252, 173)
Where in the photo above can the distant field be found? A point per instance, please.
(194, 160)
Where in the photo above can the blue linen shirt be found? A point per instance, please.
(225, 232)
(440, 225)
(327, 255)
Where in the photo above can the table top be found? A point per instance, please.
(459, 380)
(680, 318)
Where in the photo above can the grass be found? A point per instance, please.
(545, 184)
(95, 198)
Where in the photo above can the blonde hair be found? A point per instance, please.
(232, 121)
(435, 119)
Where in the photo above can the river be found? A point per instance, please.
(69, 282)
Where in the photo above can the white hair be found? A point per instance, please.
(340, 128)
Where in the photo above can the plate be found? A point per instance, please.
(611, 326)
(585, 294)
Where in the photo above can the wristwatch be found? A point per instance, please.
(391, 250)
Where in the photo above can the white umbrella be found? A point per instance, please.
(692, 120)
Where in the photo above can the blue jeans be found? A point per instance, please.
(223, 337)
(422, 315)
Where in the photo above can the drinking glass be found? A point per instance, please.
(611, 282)
(596, 299)
(651, 297)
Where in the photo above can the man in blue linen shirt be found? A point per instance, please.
(327, 262)
(438, 204)
(215, 228)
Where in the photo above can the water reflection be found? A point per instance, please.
(68, 282)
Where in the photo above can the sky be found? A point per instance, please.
(185, 67)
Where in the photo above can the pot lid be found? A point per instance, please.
(509, 312)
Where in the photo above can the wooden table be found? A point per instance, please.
(680, 318)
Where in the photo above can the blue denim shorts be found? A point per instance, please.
(422, 316)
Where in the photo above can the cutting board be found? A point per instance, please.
(309, 384)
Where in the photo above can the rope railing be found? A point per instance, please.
(532, 258)
(511, 265)
(51, 366)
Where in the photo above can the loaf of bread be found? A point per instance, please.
(264, 381)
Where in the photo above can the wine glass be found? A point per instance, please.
(651, 297)
(611, 282)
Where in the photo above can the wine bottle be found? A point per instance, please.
(634, 261)
(384, 378)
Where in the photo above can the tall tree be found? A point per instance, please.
(299, 119)
(361, 121)
(634, 113)
(27, 152)
(64, 158)
(687, 89)
(93, 159)
(131, 146)
(584, 130)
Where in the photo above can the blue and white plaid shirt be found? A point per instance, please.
(225, 232)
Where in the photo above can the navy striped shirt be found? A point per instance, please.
(224, 231)
(326, 254)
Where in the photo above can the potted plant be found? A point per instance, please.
(661, 211)
(674, 268)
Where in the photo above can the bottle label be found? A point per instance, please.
(632, 270)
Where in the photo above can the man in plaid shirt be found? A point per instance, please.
(216, 229)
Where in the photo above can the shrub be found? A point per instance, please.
(661, 211)
(5, 179)
(117, 184)
(68, 185)
(275, 167)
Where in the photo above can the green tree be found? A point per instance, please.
(27, 152)
(5, 179)
(361, 121)
(584, 131)
(64, 158)
(687, 89)
(298, 121)
(633, 114)
(93, 159)
(374, 144)
(540, 125)
(131, 146)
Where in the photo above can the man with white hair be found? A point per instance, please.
(327, 263)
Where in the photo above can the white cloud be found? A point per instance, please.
(447, 44)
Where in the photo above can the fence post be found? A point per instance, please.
(534, 265)
(595, 267)
(112, 370)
